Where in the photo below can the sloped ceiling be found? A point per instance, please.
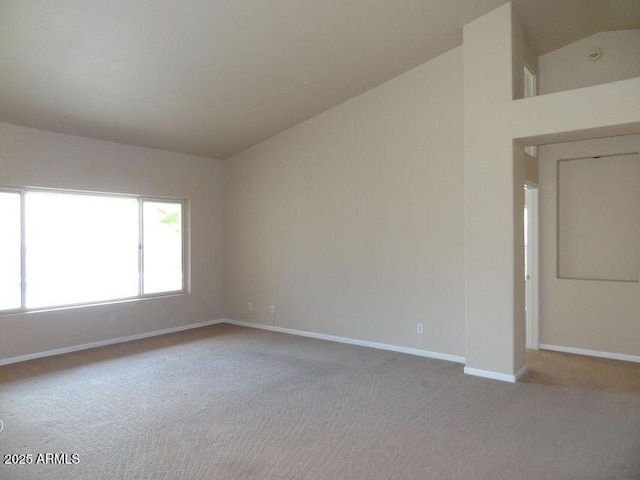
(214, 77)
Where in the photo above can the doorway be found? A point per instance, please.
(531, 265)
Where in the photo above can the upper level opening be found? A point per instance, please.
(604, 57)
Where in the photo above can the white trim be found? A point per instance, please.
(504, 377)
(23, 253)
(530, 90)
(351, 341)
(532, 285)
(591, 353)
(110, 341)
(520, 373)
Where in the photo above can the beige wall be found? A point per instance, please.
(598, 218)
(568, 67)
(586, 314)
(352, 222)
(37, 158)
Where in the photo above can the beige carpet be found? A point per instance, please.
(225, 402)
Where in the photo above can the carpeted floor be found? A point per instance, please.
(226, 402)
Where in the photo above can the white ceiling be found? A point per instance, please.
(214, 77)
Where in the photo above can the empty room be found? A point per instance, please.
(319, 239)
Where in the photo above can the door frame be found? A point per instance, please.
(532, 283)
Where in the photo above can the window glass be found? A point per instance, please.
(80, 248)
(10, 251)
(162, 246)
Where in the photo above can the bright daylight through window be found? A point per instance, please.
(61, 249)
(162, 246)
(10, 251)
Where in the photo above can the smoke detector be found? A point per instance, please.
(594, 54)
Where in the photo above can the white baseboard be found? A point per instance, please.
(520, 373)
(110, 341)
(321, 336)
(591, 353)
(504, 377)
(351, 341)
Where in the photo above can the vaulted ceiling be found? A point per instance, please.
(214, 77)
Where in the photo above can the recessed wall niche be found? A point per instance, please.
(599, 218)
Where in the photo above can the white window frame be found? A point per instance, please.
(22, 191)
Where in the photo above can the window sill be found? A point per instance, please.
(26, 311)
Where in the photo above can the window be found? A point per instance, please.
(65, 248)
(10, 251)
(162, 246)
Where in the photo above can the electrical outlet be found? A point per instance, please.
(420, 328)
(249, 305)
(272, 309)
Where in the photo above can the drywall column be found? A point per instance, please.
(493, 235)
